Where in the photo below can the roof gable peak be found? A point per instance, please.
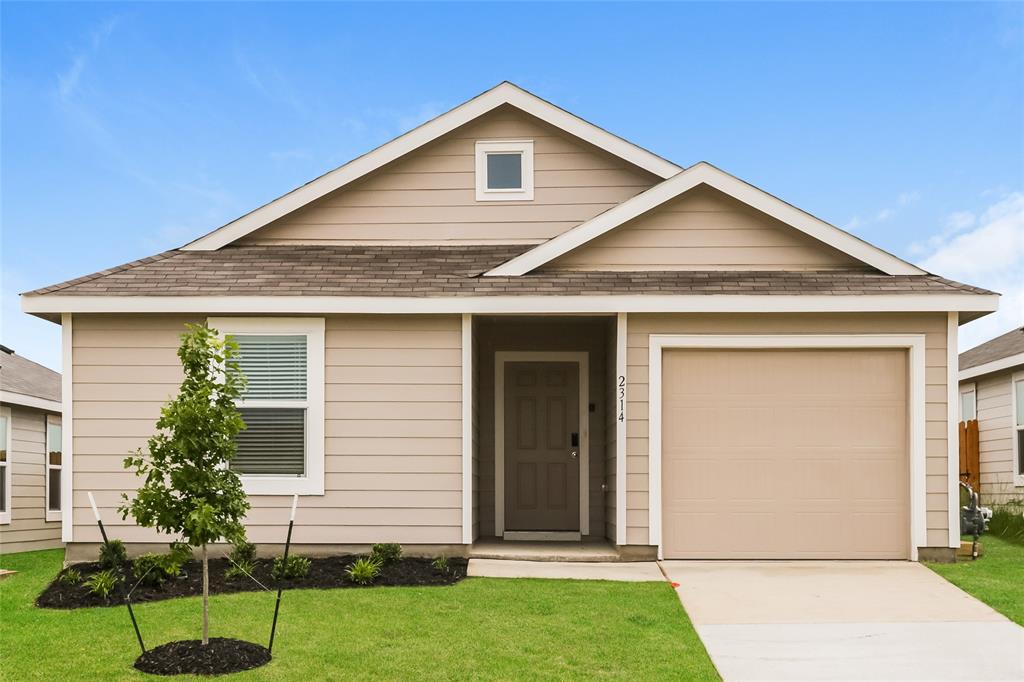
(505, 93)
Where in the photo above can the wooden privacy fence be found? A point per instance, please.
(970, 461)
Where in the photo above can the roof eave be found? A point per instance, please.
(965, 303)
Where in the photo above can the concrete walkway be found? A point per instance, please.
(640, 571)
(825, 620)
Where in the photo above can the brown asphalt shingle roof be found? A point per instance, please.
(433, 271)
(22, 376)
(1010, 343)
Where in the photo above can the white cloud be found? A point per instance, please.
(960, 220)
(68, 80)
(885, 214)
(908, 198)
(990, 255)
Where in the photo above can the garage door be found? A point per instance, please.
(785, 454)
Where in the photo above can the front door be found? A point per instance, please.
(542, 446)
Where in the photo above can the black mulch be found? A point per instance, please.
(328, 573)
(220, 656)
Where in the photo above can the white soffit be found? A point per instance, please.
(504, 93)
(705, 173)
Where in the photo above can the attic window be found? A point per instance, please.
(504, 171)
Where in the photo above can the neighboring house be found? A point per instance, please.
(992, 391)
(30, 455)
(511, 323)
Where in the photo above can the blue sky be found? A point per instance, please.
(130, 129)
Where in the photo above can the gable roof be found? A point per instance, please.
(23, 382)
(502, 94)
(705, 173)
(1002, 352)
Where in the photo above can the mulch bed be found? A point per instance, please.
(328, 573)
(220, 656)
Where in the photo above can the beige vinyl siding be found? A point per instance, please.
(429, 195)
(29, 529)
(705, 229)
(995, 436)
(392, 431)
(641, 326)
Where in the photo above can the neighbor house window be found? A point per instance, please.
(1018, 426)
(54, 461)
(5, 465)
(504, 171)
(281, 451)
(968, 403)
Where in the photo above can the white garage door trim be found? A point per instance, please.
(914, 343)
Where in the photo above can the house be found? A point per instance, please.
(992, 392)
(31, 443)
(510, 323)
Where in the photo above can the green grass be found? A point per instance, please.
(996, 578)
(478, 629)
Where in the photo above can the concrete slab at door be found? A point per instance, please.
(542, 476)
(819, 620)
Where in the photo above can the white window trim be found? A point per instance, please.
(914, 343)
(5, 516)
(1018, 474)
(313, 328)
(967, 389)
(522, 147)
(52, 515)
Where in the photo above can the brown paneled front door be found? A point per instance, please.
(542, 446)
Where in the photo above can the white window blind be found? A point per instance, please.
(274, 405)
(54, 457)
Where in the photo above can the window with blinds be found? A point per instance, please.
(5, 468)
(274, 405)
(54, 456)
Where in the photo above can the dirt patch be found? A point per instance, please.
(218, 657)
(326, 573)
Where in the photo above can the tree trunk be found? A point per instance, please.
(206, 597)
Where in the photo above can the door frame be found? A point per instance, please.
(582, 359)
(914, 344)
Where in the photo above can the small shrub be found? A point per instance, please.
(239, 569)
(113, 554)
(1008, 522)
(102, 583)
(243, 553)
(154, 569)
(386, 552)
(441, 564)
(364, 570)
(71, 576)
(147, 569)
(295, 568)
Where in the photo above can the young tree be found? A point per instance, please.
(189, 489)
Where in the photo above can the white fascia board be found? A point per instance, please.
(30, 401)
(319, 305)
(705, 173)
(505, 93)
(1008, 362)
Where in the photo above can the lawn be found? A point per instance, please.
(996, 578)
(480, 629)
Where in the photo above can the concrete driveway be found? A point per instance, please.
(828, 620)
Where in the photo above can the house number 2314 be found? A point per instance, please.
(622, 398)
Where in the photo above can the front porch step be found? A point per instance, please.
(622, 571)
(586, 552)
